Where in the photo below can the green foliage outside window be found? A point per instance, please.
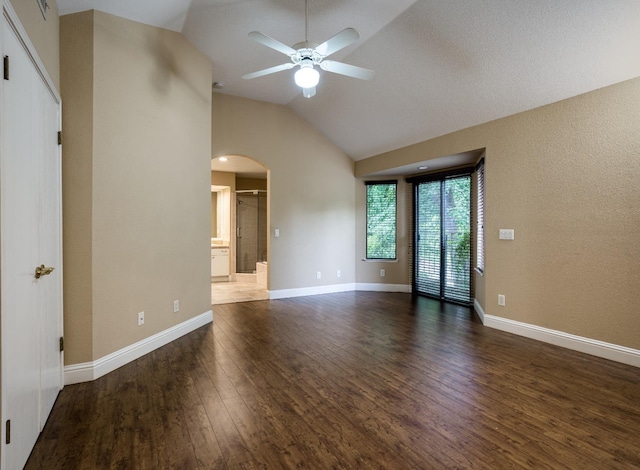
(459, 193)
(448, 218)
(381, 220)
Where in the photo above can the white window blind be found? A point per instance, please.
(480, 218)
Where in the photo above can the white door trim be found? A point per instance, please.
(12, 17)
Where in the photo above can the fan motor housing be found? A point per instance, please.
(305, 54)
(305, 45)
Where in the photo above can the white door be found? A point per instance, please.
(50, 245)
(29, 236)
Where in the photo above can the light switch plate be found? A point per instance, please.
(506, 234)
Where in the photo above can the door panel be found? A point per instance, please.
(457, 232)
(428, 235)
(30, 236)
(19, 206)
(442, 249)
(50, 243)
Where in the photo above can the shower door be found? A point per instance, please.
(251, 230)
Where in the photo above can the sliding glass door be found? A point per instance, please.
(442, 257)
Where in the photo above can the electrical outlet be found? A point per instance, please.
(501, 300)
(176, 306)
(318, 275)
(382, 273)
(338, 273)
(140, 318)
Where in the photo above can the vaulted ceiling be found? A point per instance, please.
(440, 65)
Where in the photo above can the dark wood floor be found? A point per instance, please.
(351, 380)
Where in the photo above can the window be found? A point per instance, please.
(480, 227)
(381, 219)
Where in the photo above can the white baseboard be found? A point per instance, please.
(87, 371)
(304, 291)
(332, 289)
(594, 347)
(379, 287)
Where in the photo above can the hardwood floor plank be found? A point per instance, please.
(350, 380)
(203, 439)
(293, 434)
(355, 430)
(264, 450)
(234, 450)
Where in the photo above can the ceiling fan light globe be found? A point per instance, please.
(307, 77)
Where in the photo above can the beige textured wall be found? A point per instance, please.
(564, 176)
(150, 193)
(224, 178)
(76, 74)
(251, 183)
(311, 190)
(44, 34)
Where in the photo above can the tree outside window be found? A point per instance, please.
(381, 219)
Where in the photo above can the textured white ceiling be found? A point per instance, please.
(440, 65)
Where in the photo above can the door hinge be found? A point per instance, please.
(61, 343)
(6, 67)
(8, 432)
(59, 137)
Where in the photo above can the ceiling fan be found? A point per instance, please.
(307, 55)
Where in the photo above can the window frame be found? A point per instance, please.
(369, 184)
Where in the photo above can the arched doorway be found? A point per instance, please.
(239, 229)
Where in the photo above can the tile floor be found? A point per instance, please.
(239, 291)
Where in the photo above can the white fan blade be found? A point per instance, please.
(272, 43)
(339, 41)
(261, 73)
(346, 69)
(309, 92)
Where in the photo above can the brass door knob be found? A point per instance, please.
(43, 270)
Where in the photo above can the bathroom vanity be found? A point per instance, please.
(219, 263)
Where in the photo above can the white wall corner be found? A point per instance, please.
(88, 371)
(594, 347)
